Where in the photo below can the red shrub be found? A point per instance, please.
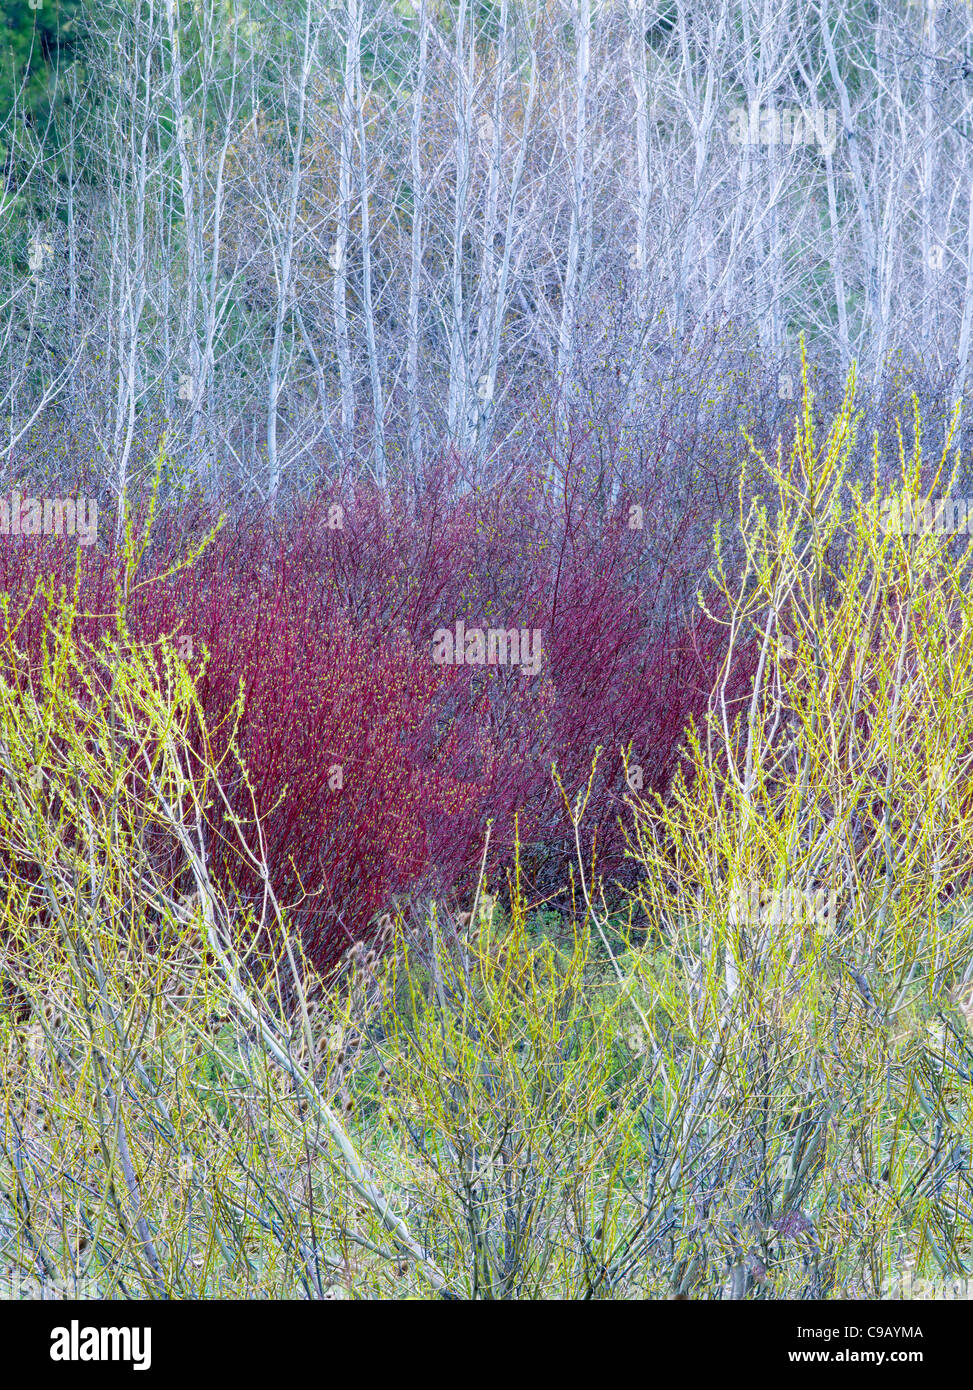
(374, 769)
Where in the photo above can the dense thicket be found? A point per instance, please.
(338, 235)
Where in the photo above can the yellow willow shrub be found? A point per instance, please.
(509, 1110)
(157, 1136)
(107, 1102)
(810, 877)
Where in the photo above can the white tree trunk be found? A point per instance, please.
(579, 201)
